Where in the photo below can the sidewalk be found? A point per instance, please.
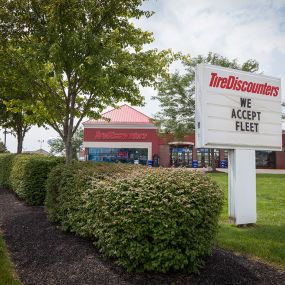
(43, 254)
(259, 171)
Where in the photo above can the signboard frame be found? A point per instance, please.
(205, 94)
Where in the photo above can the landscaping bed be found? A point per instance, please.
(150, 220)
(43, 254)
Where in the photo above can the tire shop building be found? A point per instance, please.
(127, 135)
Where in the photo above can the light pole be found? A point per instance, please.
(41, 141)
(5, 135)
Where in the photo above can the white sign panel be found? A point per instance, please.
(236, 109)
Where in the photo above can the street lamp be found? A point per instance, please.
(5, 135)
(41, 143)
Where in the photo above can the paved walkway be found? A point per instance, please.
(264, 171)
(43, 254)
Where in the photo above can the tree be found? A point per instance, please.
(16, 113)
(3, 148)
(79, 57)
(57, 145)
(176, 94)
(16, 122)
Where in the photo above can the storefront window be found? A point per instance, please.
(181, 156)
(265, 159)
(124, 155)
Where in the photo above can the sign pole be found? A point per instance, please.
(242, 187)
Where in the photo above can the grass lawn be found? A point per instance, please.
(7, 275)
(266, 240)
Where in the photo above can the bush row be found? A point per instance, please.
(6, 160)
(148, 219)
(26, 175)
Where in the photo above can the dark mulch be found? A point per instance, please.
(43, 254)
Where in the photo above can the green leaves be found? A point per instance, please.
(57, 146)
(17, 112)
(175, 95)
(28, 174)
(6, 160)
(93, 50)
(148, 219)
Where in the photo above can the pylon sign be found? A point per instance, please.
(236, 109)
(239, 111)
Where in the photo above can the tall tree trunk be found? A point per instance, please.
(68, 142)
(20, 139)
(69, 131)
(68, 151)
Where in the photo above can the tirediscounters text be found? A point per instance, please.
(247, 119)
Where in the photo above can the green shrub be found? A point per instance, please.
(67, 185)
(161, 220)
(29, 174)
(64, 202)
(5, 169)
(53, 184)
(148, 219)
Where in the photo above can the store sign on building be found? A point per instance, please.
(239, 111)
(110, 135)
(236, 109)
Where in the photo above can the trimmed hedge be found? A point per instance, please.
(148, 219)
(159, 221)
(28, 176)
(5, 169)
(67, 183)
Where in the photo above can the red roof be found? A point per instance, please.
(123, 115)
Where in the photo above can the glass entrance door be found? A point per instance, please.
(204, 157)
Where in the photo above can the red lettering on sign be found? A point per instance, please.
(119, 136)
(234, 83)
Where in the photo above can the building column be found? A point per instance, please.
(222, 154)
(280, 159)
(164, 155)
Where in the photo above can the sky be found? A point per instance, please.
(237, 29)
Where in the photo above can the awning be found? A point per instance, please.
(181, 143)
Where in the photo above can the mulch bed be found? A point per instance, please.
(42, 254)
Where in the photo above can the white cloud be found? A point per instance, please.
(236, 29)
